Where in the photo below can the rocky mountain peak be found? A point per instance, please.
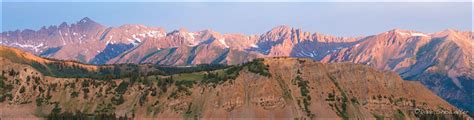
(207, 32)
(403, 51)
(281, 28)
(63, 25)
(406, 33)
(178, 32)
(447, 32)
(130, 26)
(88, 23)
(183, 30)
(86, 20)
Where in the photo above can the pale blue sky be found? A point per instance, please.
(336, 18)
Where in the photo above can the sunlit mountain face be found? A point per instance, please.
(236, 60)
(280, 87)
(442, 61)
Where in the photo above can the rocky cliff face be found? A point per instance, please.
(81, 41)
(89, 42)
(442, 61)
(264, 88)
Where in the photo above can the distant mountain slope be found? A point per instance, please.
(263, 88)
(442, 61)
(89, 42)
(81, 41)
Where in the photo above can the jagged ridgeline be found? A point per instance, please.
(73, 69)
(289, 88)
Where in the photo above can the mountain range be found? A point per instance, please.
(442, 61)
(277, 87)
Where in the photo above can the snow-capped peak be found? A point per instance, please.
(410, 33)
(84, 20)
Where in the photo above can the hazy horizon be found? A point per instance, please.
(334, 18)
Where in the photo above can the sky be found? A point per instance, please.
(340, 18)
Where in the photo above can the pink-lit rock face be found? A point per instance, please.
(324, 89)
(86, 41)
(442, 61)
(89, 42)
(398, 50)
(402, 50)
(81, 41)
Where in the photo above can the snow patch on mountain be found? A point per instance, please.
(357, 45)
(412, 34)
(307, 54)
(142, 35)
(254, 45)
(84, 20)
(110, 41)
(419, 34)
(192, 40)
(191, 35)
(62, 38)
(222, 41)
(34, 47)
(154, 34)
(135, 41)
